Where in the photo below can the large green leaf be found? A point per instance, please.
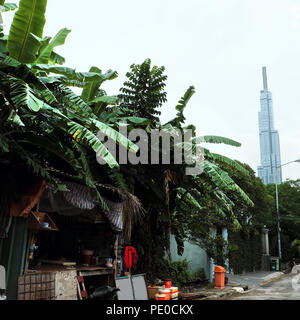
(9, 6)
(182, 103)
(222, 180)
(81, 134)
(58, 40)
(65, 71)
(23, 95)
(66, 96)
(109, 100)
(55, 58)
(220, 158)
(30, 18)
(115, 135)
(73, 75)
(217, 139)
(14, 117)
(137, 120)
(90, 91)
(6, 61)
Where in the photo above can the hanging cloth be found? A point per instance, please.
(130, 257)
(28, 200)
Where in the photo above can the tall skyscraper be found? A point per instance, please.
(269, 171)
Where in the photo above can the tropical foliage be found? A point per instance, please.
(143, 93)
(175, 201)
(44, 124)
(42, 120)
(289, 202)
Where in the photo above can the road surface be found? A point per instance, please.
(286, 288)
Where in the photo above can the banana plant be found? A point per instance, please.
(193, 196)
(37, 106)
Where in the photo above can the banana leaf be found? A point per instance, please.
(111, 100)
(58, 40)
(23, 95)
(217, 139)
(222, 180)
(30, 18)
(9, 6)
(90, 91)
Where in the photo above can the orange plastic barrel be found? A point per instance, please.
(219, 277)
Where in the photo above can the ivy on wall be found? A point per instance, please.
(244, 251)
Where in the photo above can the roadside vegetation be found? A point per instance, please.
(46, 128)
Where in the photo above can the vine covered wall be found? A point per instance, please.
(244, 251)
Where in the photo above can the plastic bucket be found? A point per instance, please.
(174, 296)
(160, 297)
(174, 290)
(166, 292)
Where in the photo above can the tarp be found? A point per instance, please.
(79, 196)
(79, 200)
(114, 215)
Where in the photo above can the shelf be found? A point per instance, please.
(36, 220)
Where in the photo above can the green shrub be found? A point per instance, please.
(177, 271)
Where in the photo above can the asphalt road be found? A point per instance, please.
(286, 288)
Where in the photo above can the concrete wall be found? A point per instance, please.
(194, 254)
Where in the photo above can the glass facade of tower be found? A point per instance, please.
(269, 171)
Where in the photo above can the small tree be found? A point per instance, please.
(144, 93)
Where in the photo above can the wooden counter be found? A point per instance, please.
(85, 270)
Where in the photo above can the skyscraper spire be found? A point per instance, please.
(265, 80)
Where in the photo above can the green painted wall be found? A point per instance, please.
(194, 254)
(12, 254)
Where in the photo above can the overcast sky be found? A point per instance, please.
(219, 46)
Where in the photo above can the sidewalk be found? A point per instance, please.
(237, 283)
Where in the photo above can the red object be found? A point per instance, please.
(80, 280)
(130, 257)
(219, 277)
(168, 283)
